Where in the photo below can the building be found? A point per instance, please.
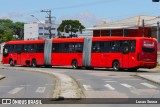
(130, 27)
(39, 30)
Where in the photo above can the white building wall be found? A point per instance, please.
(30, 31)
(39, 30)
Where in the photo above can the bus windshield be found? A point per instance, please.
(148, 50)
(148, 46)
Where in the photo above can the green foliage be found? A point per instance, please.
(70, 26)
(8, 28)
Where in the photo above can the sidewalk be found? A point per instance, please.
(154, 78)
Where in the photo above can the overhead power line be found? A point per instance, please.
(98, 2)
(85, 4)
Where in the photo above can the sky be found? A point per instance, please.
(89, 12)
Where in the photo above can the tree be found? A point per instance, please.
(8, 28)
(19, 29)
(70, 26)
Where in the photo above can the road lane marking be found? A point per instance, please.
(40, 89)
(26, 85)
(148, 85)
(130, 79)
(49, 84)
(128, 86)
(15, 90)
(109, 87)
(107, 79)
(87, 87)
(110, 81)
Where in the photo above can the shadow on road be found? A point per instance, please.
(96, 69)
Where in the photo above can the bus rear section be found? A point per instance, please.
(147, 53)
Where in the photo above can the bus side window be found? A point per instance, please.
(71, 47)
(19, 49)
(79, 47)
(31, 48)
(11, 49)
(64, 47)
(125, 48)
(105, 47)
(40, 48)
(96, 47)
(55, 47)
(115, 46)
(25, 49)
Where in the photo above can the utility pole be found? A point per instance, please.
(158, 31)
(50, 21)
(143, 28)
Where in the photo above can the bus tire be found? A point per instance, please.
(75, 64)
(11, 63)
(34, 63)
(116, 65)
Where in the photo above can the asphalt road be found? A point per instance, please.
(25, 84)
(111, 85)
(102, 83)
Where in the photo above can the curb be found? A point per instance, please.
(147, 79)
(65, 86)
(2, 77)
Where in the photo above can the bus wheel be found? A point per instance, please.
(34, 63)
(11, 63)
(116, 65)
(74, 64)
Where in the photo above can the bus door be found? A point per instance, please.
(96, 55)
(105, 54)
(125, 54)
(19, 51)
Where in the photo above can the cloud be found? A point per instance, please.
(15, 16)
(85, 18)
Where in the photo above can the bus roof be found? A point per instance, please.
(25, 42)
(58, 40)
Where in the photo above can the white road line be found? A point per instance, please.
(49, 84)
(110, 81)
(130, 79)
(128, 86)
(148, 85)
(15, 90)
(107, 79)
(87, 87)
(26, 85)
(40, 89)
(109, 87)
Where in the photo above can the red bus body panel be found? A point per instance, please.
(137, 59)
(21, 58)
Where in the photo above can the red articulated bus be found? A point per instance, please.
(106, 52)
